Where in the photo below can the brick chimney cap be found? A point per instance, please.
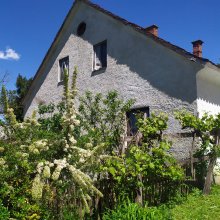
(200, 42)
(151, 27)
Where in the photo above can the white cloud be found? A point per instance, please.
(9, 54)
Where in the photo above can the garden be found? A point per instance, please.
(67, 162)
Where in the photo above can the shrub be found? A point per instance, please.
(4, 213)
(147, 171)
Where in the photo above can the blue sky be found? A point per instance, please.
(28, 27)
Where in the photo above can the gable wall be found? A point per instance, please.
(137, 67)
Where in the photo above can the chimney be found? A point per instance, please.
(197, 48)
(153, 29)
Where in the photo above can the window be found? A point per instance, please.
(100, 56)
(132, 119)
(63, 64)
(81, 29)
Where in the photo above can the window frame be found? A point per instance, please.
(60, 62)
(103, 60)
(131, 127)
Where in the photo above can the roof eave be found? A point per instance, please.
(136, 27)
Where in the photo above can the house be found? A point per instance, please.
(112, 53)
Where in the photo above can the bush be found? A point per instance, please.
(4, 213)
(147, 170)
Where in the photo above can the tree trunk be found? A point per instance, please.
(192, 156)
(212, 162)
(139, 192)
(209, 176)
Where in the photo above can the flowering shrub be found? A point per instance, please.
(39, 164)
(67, 164)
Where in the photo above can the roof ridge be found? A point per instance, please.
(138, 28)
(142, 30)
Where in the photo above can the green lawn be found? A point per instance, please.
(199, 207)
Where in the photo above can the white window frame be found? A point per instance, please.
(102, 60)
(61, 62)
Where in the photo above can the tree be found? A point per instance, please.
(207, 129)
(16, 96)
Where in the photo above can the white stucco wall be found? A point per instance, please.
(208, 90)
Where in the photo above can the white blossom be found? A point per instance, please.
(72, 140)
(46, 172)
(51, 165)
(37, 188)
(36, 151)
(56, 173)
(89, 145)
(2, 162)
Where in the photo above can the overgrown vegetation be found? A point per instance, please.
(146, 171)
(68, 163)
(207, 129)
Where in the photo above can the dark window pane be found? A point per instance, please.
(104, 54)
(81, 29)
(132, 119)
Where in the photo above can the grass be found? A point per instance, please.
(132, 211)
(199, 207)
(195, 207)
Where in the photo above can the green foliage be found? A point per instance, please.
(18, 167)
(207, 128)
(68, 164)
(147, 165)
(41, 164)
(152, 127)
(4, 213)
(51, 116)
(4, 99)
(22, 85)
(102, 119)
(133, 211)
(16, 96)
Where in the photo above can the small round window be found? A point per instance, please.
(81, 29)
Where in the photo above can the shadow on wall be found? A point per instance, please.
(165, 70)
(162, 68)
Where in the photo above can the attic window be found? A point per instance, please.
(63, 65)
(132, 117)
(100, 56)
(81, 29)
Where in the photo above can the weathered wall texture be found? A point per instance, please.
(137, 67)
